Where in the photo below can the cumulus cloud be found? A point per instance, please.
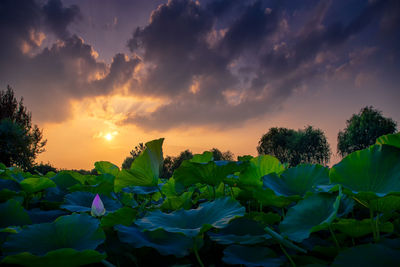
(49, 77)
(227, 62)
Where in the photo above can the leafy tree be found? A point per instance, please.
(363, 129)
(218, 155)
(20, 142)
(172, 163)
(42, 168)
(133, 154)
(294, 147)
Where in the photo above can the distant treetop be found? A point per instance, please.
(363, 129)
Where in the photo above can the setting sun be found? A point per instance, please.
(108, 137)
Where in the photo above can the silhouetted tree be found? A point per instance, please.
(133, 154)
(20, 142)
(42, 168)
(172, 163)
(218, 155)
(363, 129)
(295, 147)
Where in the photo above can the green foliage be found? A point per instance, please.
(369, 173)
(363, 129)
(77, 231)
(20, 142)
(251, 256)
(294, 147)
(133, 154)
(311, 214)
(389, 139)
(255, 211)
(193, 222)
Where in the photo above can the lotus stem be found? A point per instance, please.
(233, 195)
(197, 253)
(213, 191)
(334, 237)
(377, 227)
(288, 256)
(373, 226)
(159, 190)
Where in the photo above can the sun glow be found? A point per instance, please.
(108, 137)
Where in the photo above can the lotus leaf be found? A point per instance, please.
(368, 255)
(192, 222)
(164, 242)
(76, 231)
(355, 228)
(297, 181)
(144, 170)
(240, 231)
(259, 166)
(32, 185)
(13, 214)
(369, 173)
(210, 173)
(65, 257)
(251, 256)
(311, 214)
(105, 167)
(389, 139)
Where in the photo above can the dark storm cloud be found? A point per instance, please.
(243, 60)
(219, 62)
(58, 17)
(49, 77)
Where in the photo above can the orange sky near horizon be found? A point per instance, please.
(79, 142)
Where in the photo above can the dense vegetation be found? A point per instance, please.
(20, 141)
(253, 212)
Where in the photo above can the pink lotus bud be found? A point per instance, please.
(97, 207)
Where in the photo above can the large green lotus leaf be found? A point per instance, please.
(251, 256)
(267, 197)
(368, 255)
(355, 228)
(9, 189)
(241, 231)
(259, 166)
(164, 242)
(44, 216)
(192, 222)
(210, 173)
(370, 173)
(105, 167)
(311, 214)
(389, 139)
(124, 215)
(32, 185)
(386, 204)
(65, 179)
(76, 231)
(202, 158)
(297, 181)
(12, 213)
(65, 257)
(177, 202)
(82, 202)
(144, 170)
(99, 184)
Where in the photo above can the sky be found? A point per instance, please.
(101, 76)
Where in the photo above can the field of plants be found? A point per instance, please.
(251, 212)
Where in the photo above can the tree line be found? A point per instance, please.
(21, 142)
